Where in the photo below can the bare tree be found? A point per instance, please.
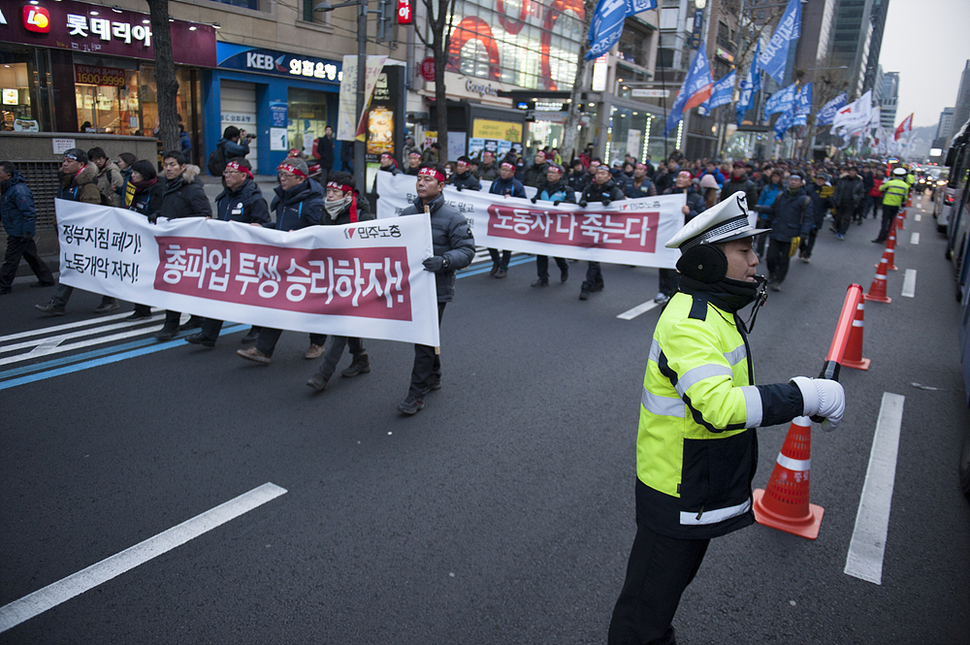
(572, 117)
(826, 85)
(168, 87)
(438, 40)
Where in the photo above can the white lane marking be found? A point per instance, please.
(60, 349)
(918, 217)
(79, 334)
(73, 325)
(75, 584)
(868, 545)
(909, 284)
(639, 309)
(914, 238)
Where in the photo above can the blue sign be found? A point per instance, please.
(775, 56)
(803, 104)
(278, 112)
(695, 90)
(275, 63)
(827, 114)
(781, 101)
(696, 35)
(782, 124)
(750, 85)
(722, 92)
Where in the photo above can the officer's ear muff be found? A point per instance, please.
(704, 263)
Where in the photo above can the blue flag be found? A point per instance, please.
(722, 92)
(607, 23)
(782, 124)
(750, 85)
(695, 90)
(826, 115)
(775, 56)
(781, 101)
(803, 104)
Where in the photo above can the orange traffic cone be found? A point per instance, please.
(899, 220)
(891, 249)
(783, 505)
(853, 347)
(877, 290)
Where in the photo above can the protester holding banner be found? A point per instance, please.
(343, 206)
(557, 190)
(507, 186)
(488, 169)
(639, 185)
(463, 179)
(454, 248)
(183, 196)
(299, 202)
(77, 184)
(536, 173)
(143, 194)
(603, 190)
(19, 221)
(414, 163)
(241, 201)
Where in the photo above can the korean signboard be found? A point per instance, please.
(275, 63)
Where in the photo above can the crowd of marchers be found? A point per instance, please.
(792, 198)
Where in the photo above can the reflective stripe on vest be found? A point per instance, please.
(662, 405)
(697, 374)
(714, 516)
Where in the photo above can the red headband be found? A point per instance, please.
(344, 187)
(293, 169)
(431, 172)
(506, 164)
(235, 165)
(386, 155)
(415, 154)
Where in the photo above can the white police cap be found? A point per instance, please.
(729, 220)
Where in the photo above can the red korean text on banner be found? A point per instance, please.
(621, 231)
(367, 282)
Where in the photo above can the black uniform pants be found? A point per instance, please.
(888, 215)
(26, 248)
(843, 216)
(542, 266)
(659, 570)
(427, 365)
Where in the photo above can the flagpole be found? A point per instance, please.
(663, 99)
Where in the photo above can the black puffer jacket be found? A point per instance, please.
(298, 207)
(451, 237)
(466, 181)
(603, 193)
(147, 200)
(185, 196)
(742, 183)
(246, 204)
(849, 191)
(790, 216)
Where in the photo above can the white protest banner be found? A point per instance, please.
(364, 279)
(631, 231)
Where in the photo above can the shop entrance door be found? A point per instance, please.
(239, 109)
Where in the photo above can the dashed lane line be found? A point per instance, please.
(630, 314)
(909, 284)
(914, 238)
(31, 605)
(868, 545)
(74, 325)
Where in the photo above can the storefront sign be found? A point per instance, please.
(427, 69)
(482, 89)
(238, 119)
(11, 97)
(649, 94)
(278, 112)
(404, 14)
(94, 75)
(62, 145)
(276, 63)
(94, 28)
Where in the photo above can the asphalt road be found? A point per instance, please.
(503, 512)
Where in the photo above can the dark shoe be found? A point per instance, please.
(501, 273)
(37, 285)
(192, 323)
(584, 293)
(540, 283)
(599, 286)
(360, 365)
(51, 308)
(107, 307)
(139, 315)
(494, 270)
(564, 275)
(411, 405)
(435, 384)
(251, 336)
(201, 339)
(317, 382)
(166, 333)
(253, 354)
(878, 241)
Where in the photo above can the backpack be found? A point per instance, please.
(217, 162)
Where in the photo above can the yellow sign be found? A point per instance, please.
(497, 130)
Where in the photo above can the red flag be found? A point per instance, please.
(905, 126)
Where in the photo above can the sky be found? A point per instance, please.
(927, 42)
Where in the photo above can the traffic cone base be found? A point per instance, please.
(784, 504)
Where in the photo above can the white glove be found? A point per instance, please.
(822, 397)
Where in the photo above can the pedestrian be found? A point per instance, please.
(78, 178)
(414, 163)
(874, 197)
(343, 205)
(554, 189)
(347, 156)
(849, 192)
(19, 222)
(110, 180)
(464, 179)
(488, 170)
(325, 154)
(821, 203)
(143, 195)
(605, 191)
(772, 189)
(668, 280)
(240, 201)
(388, 164)
(789, 216)
(183, 195)
(507, 186)
(894, 192)
(710, 191)
(537, 171)
(185, 142)
(640, 185)
(124, 162)
(431, 153)
(577, 178)
(299, 203)
(868, 182)
(454, 248)
(697, 447)
(740, 181)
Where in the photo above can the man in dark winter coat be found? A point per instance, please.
(640, 185)
(790, 216)
(605, 191)
(820, 206)
(298, 203)
(488, 170)
(182, 196)
(668, 280)
(454, 248)
(242, 201)
(848, 195)
(343, 205)
(557, 190)
(739, 181)
(537, 171)
(143, 195)
(577, 178)
(463, 179)
(507, 186)
(19, 221)
(414, 163)
(78, 179)
(388, 164)
(325, 153)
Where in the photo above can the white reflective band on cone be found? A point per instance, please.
(858, 323)
(794, 464)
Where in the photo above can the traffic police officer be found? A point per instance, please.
(696, 445)
(894, 192)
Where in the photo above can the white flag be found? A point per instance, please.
(854, 116)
